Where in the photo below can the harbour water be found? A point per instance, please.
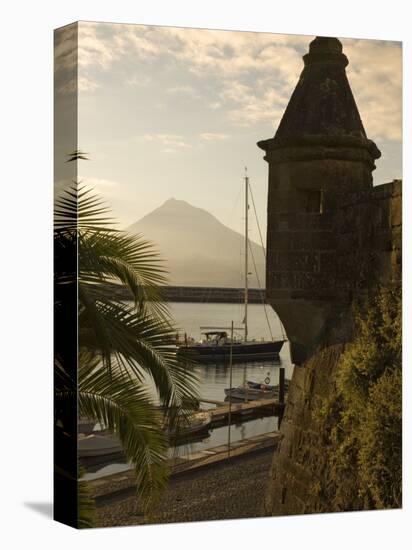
(214, 378)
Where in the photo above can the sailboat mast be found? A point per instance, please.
(246, 248)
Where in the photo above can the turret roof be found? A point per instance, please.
(322, 103)
(322, 111)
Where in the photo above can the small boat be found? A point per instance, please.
(85, 425)
(196, 423)
(251, 391)
(104, 444)
(258, 385)
(98, 445)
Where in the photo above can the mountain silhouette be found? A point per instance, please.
(199, 250)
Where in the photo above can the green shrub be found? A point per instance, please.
(361, 423)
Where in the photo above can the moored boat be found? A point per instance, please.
(217, 347)
(85, 425)
(105, 444)
(251, 391)
(98, 445)
(196, 423)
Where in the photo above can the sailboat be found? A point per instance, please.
(217, 346)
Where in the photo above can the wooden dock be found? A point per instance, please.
(119, 484)
(217, 454)
(221, 412)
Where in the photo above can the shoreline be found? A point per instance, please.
(104, 488)
(230, 489)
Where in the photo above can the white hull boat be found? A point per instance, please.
(95, 444)
(98, 445)
(85, 425)
(197, 423)
(249, 394)
(251, 391)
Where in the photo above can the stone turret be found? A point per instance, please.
(332, 238)
(319, 158)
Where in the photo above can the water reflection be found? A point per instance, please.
(218, 436)
(215, 378)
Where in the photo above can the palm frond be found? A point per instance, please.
(144, 344)
(125, 408)
(107, 254)
(78, 209)
(77, 155)
(121, 344)
(131, 261)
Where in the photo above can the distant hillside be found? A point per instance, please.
(198, 248)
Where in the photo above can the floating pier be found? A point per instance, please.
(221, 412)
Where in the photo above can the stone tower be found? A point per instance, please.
(318, 159)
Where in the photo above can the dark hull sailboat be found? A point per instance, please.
(213, 352)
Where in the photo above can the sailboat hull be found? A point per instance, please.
(241, 352)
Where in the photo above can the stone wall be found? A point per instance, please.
(332, 239)
(368, 252)
(299, 461)
(318, 263)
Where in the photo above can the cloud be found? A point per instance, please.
(101, 186)
(253, 74)
(170, 142)
(184, 89)
(230, 53)
(77, 47)
(92, 182)
(104, 187)
(95, 48)
(65, 46)
(211, 136)
(139, 81)
(247, 105)
(78, 84)
(375, 75)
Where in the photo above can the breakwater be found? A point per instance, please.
(200, 294)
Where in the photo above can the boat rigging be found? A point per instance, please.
(217, 346)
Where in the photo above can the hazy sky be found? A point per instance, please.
(170, 112)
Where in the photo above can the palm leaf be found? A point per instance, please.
(77, 210)
(143, 344)
(124, 343)
(128, 260)
(125, 408)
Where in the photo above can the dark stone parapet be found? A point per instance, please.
(352, 150)
(319, 144)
